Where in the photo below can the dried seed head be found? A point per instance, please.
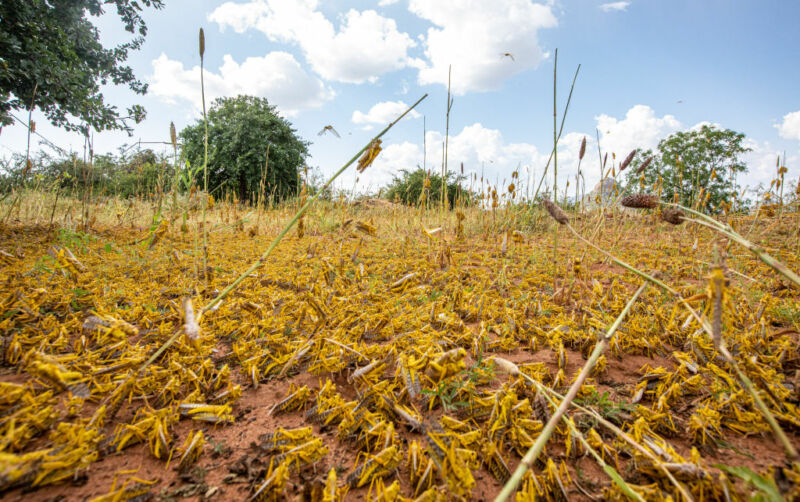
(627, 161)
(640, 201)
(202, 43)
(172, 136)
(672, 215)
(582, 151)
(556, 212)
(644, 165)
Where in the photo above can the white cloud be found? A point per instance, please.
(383, 113)
(365, 46)
(615, 6)
(474, 36)
(276, 76)
(384, 3)
(790, 127)
(761, 163)
(640, 128)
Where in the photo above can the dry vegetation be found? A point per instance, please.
(376, 357)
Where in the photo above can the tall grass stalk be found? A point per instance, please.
(560, 130)
(202, 43)
(173, 137)
(555, 172)
(537, 447)
(446, 142)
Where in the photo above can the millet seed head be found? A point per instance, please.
(556, 212)
(640, 201)
(672, 215)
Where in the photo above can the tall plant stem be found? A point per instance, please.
(555, 132)
(205, 161)
(537, 447)
(446, 143)
(555, 173)
(560, 130)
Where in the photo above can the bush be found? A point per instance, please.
(410, 187)
(240, 130)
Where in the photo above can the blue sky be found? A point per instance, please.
(649, 68)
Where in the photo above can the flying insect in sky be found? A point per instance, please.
(328, 128)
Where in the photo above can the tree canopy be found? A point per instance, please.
(240, 132)
(51, 57)
(707, 159)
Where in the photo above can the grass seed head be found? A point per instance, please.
(172, 136)
(644, 165)
(672, 215)
(556, 212)
(582, 151)
(640, 201)
(202, 43)
(627, 161)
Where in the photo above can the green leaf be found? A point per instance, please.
(768, 490)
(627, 490)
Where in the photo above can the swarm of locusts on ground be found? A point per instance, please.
(168, 346)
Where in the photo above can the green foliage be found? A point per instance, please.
(126, 177)
(240, 130)
(608, 409)
(686, 161)
(767, 489)
(408, 189)
(52, 47)
(75, 240)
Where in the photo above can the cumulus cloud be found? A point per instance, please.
(382, 113)
(640, 128)
(615, 6)
(474, 36)
(790, 127)
(365, 46)
(276, 76)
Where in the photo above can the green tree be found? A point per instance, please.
(240, 131)
(409, 186)
(707, 159)
(51, 56)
